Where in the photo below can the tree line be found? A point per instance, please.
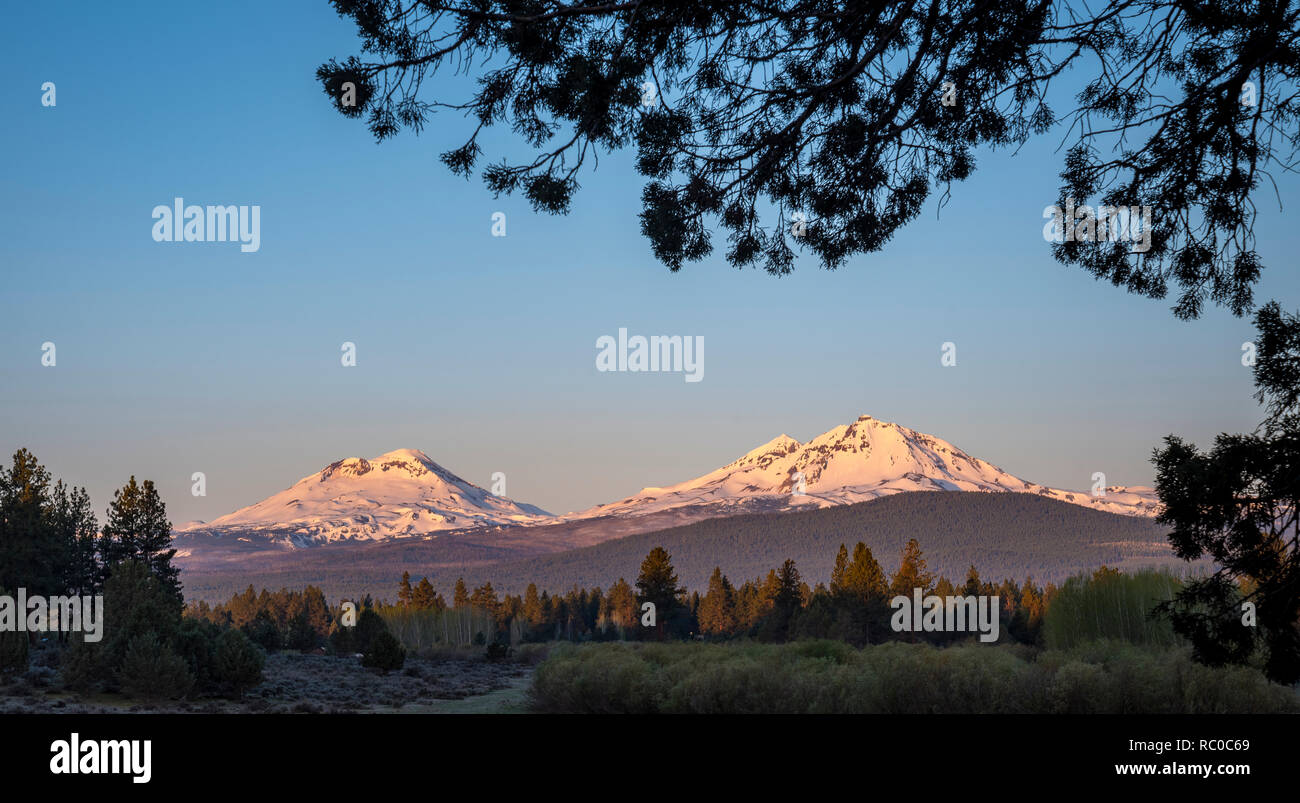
(779, 607)
(51, 544)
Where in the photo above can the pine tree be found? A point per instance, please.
(369, 625)
(404, 591)
(77, 530)
(137, 529)
(789, 594)
(839, 574)
(787, 600)
(912, 572)
(301, 636)
(863, 578)
(386, 653)
(461, 596)
(31, 554)
(237, 662)
(152, 670)
(137, 602)
(718, 608)
(657, 584)
(485, 597)
(620, 605)
(534, 613)
(425, 598)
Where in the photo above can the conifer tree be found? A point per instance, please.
(657, 583)
(137, 529)
(533, 612)
(238, 662)
(839, 573)
(31, 554)
(485, 597)
(425, 598)
(460, 598)
(863, 577)
(718, 607)
(77, 529)
(621, 604)
(151, 670)
(912, 572)
(404, 591)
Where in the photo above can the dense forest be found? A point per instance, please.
(777, 606)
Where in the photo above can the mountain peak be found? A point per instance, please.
(405, 454)
(399, 493)
(778, 447)
(848, 463)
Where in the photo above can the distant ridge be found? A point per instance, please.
(404, 493)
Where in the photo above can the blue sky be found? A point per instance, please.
(175, 358)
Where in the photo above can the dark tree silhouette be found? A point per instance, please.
(1239, 503)
(845, 117)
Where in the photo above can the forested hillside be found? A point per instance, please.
(1005, 535)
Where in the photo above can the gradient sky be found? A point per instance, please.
(176, 358)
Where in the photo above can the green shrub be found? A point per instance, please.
(81, 665)
(196, 642)
(895, 677)
(13, 651)
(263, 631)
(1110, 605)
(385, 653)
(342, 640)
(369, 625)
(151, 670)
(237, 662)
(136, 603)
(302, 635)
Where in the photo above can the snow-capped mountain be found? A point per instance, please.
(854, 463)
(400, 493)
(404, 493)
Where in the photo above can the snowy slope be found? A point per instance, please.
(404, 493)
(854, 463)
(400, 493)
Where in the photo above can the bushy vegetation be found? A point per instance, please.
(13, 651)
(385, 652)
(52, 545)
(1111, 604)
(151, 670)
(237, 662)
(421, 629)
(824, 677)
(273, 620)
